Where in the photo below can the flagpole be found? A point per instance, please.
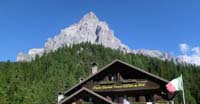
(183, 93)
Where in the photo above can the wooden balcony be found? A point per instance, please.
(132, 103)
(152, 102)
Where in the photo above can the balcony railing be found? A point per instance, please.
(165, 102)
(87, 103)
(152, 102)
(117, 82)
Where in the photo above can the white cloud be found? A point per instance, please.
(184, 48)
(194, 54)
(196, 50)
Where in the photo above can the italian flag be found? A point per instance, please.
(175, 85)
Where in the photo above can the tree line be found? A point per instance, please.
(39, 81)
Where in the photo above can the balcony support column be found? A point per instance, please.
(142, 99)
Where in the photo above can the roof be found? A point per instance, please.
(113, 62)
(88, 91)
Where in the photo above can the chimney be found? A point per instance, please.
(80, 80)
(94, 68)
(60, 97)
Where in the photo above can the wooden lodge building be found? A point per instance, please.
(119, 83)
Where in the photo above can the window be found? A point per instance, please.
(112, 77)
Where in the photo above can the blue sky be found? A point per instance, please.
(150, 24)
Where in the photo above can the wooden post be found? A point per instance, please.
(183, 93)
(142, 99)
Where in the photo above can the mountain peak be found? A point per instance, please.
(88, 29)
(91, 16)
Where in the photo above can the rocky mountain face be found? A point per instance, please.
(89, 29)
(154, 53)
(31, 54)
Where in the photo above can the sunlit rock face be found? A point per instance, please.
(31, 54)
(88, 29)
(185, 59)
(154, 53)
